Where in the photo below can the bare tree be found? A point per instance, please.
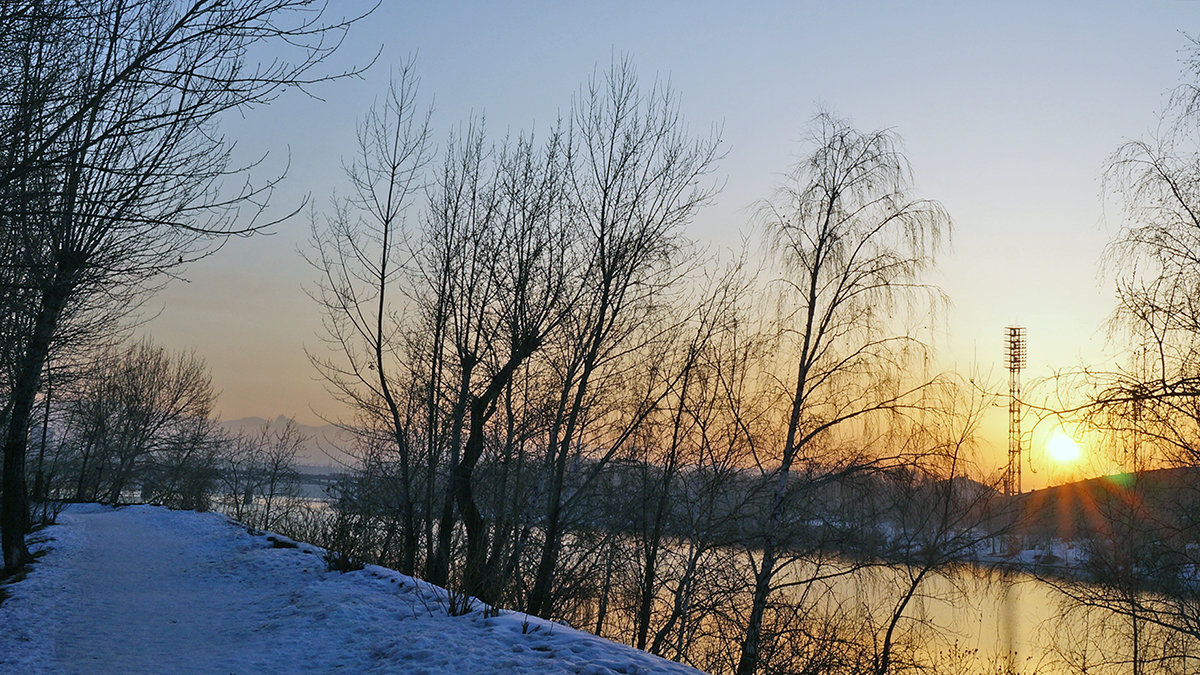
(111, 163)
(852, 243)
(359, 251)
(673, 438)
(713, 501)
(1149, 410)
(144, 418)
(522, 263)
(937, 519)
(258, 473)
(636, 178)
(1155, 258)
(482, 283)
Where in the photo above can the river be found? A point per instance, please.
(979, 621)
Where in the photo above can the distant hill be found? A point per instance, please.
(326, 445)
(1156, 499)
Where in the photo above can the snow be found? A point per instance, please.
(143, 589)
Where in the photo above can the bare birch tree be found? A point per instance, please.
(1149, 409)
(852, 243)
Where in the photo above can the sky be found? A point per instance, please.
(1007, 111)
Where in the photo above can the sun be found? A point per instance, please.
(1062, 448)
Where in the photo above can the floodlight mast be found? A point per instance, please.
(1014, 360)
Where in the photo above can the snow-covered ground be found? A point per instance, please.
(146, 590)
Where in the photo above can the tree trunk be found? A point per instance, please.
(439, 566)
(478, 581)
(649, 578)
(81, 483)
(475, 574)
(539, 597)
(650, 573)
(748, 659)
(883, 664)
(14, 504)
(679, 611)
(605, 590)
(39, 483)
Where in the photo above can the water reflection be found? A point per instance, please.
(968, 621)
(986, 621)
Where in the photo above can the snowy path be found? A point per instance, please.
(146, 590)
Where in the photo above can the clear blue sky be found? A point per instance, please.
(1007, 110)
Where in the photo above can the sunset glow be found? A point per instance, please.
(1062, 448)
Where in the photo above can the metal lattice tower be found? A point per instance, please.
(1014, 360)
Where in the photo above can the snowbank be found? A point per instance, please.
(147, 590)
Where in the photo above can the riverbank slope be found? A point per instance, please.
(142, 589)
